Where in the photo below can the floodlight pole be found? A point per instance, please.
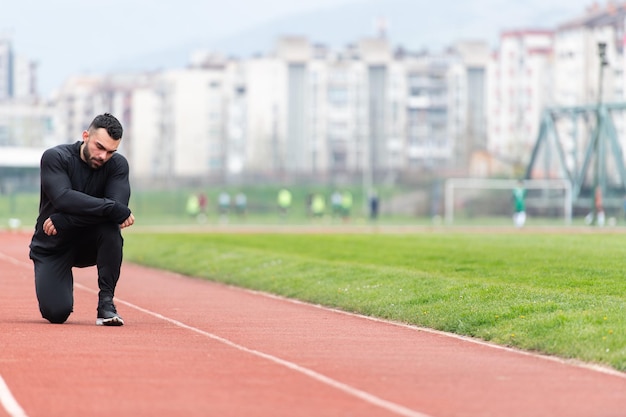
(598, 148)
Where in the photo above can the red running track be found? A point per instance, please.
(194, 348)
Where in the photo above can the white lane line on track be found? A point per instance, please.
(14, 409)
(14, 261)
(355, 392)
(8, 401)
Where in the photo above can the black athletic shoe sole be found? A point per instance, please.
(113, 321)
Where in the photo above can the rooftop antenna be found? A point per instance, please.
(381, 27)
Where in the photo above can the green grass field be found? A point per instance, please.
(561, 294)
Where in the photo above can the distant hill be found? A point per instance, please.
(414, 24)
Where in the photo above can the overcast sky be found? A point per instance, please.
(80, 33)
(155, 21)
(70, 36)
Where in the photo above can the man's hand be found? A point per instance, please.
(48, 227)
(128, 222)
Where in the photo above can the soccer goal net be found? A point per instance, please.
(473, 198)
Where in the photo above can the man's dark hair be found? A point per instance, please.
(110, 123)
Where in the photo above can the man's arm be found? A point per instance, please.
(118, 185)
(77, 209)
(49, 227)
(57, 186)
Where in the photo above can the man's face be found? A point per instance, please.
(98, 147)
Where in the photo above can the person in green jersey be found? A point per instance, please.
(519, 204)
(284, 202)
(346, 205)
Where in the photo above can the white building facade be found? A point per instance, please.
(303, 111)
(18, 75)
(519, 81)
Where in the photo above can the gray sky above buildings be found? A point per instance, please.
(68, 37)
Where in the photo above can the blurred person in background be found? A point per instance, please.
(241, 203)
(336, 200)
(599, 206)
(374, 205)
(83, 207)
(193, 206)
(519, 204)
(284, 202)
(223, 202)
(203, 203)
(346, 205)
(318, 205)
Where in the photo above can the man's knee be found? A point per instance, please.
(54, 287)
(56, 314)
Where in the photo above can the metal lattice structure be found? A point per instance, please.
(590, 161)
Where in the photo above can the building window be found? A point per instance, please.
(338, 96)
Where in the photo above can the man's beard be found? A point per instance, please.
(92, 162)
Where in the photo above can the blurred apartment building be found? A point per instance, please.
(18, 75)
(560, 70)
(24, 120)
(369, 110)
(303, 111)
(26, 123)
(81, 98)
(519, 87)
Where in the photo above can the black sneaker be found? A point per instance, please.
(107, 314)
